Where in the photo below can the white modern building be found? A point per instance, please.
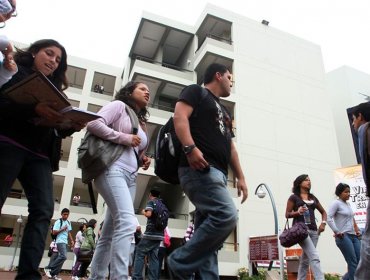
(283, 121)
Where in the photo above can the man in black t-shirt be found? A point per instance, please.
(204, 127)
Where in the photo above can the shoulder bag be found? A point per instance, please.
(96, 154)
(294, 234)
(85, 255)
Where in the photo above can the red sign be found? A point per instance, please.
(263, 248)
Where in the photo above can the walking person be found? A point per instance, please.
(135, 241)
(188, 235)
(61, 228)
(346, 232)
(53, 251)
(88, 244)
(164, 245)
(300, 201)
(76, 250)
(189, 231)
(208, 150)
(360, 123)
(149, 243)
(30, 152)
(117, 184)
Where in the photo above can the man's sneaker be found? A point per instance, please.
(47, 272)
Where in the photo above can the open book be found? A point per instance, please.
(38, 88)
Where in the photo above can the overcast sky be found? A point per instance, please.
(103, 30)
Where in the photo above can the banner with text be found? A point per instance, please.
(352, 176)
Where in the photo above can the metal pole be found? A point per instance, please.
(281, 258)
(16, 242)
(273, 205)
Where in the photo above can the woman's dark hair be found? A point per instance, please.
(297, 184)
(91, 223)
(340, 188)
(26, 58)
(211, 70)
(81, 228)
(125, 95)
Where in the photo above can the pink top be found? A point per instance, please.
(114, 115)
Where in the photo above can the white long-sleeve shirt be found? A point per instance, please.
(340, 217)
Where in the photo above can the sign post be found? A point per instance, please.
(263, 248)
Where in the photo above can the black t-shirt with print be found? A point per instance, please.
(210, 127)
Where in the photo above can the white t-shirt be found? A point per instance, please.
(79, 239)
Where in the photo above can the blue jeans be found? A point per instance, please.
(34, 173)
(146, 247)
(363, 267)
(117, 187)
(56, 265)
(215, 219)
(350, 246)
(310, 257)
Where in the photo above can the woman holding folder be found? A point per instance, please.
(30, 152)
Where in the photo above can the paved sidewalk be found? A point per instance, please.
(5, 275)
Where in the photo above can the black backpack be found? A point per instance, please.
(168, 149)
(161, 215)
(167, 154)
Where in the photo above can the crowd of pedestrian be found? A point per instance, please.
(30, 153)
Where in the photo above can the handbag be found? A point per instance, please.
(85, 255)
(96, 154)
(294, 234)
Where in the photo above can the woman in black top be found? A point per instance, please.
(30, 152)
(300, 201)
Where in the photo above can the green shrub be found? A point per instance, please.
(330, 276)
(243, 274)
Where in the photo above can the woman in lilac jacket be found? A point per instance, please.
(117, 185)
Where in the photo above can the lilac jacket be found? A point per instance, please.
(115, 124)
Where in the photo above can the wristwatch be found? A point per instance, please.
(188, 149)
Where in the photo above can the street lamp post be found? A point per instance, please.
(260, 192)
(19, 221)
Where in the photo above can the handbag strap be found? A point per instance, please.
(135, 128)
(287, 224)
(134, 119)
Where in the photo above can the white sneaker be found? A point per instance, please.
(47, 272)
(55, 277)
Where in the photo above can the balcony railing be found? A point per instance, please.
(167, 65)
(215, 37)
